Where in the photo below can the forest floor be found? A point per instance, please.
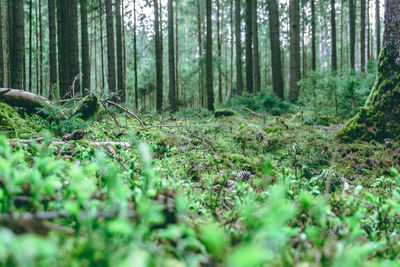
(243, 190)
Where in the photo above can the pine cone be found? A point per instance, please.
(244, 175)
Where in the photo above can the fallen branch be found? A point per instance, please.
(126, 111)
(19, 98)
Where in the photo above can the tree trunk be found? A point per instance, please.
(171, 57)
(52, 48)
(294, 14)
(249, 47)
(101, 10)
(219, 48)
(1, 49)
(378, 28)
(135, 55)
(277, 77)
(74, 80)
(85, 49)
(176, 56)
(16, 43)
(362, 39)
(120, 64)
(209, 59)
(40, 49)
(256, 54)
(352, 24)
(110, 48)
(239, 64)
(159, 80)
(313, 38)
(199, 41)
(333, 37)
(379, 118)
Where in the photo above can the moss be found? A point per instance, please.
(225, 113)
(88, 107)
(379, 118)
(13, 125)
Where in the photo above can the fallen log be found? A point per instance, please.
(19, 98)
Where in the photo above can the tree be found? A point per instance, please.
(1, 50)
(378, 119)
(352, 25)
(171, 58)
(209, 58)
(159, 78)
(219, 49)
(85, 48)
(333, 37)
(294, 14)
(110, 48)
(16, 43)
(256, 54)
(378, 27)
(73, 47)
(135, 55)
(249, 46)
(52, 47)
(239, 64)
(120, 62)
(313, 37)
(362, 32)
(277, 76)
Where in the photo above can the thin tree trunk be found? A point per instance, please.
(232, 41)
(171, 57)
(362, 39)
(313, 37)
(219, 47)
(274, 29)
(352, 21)
(209, 58)
(369, 34)
(135, 55)
(85, 49)
(341, 36)
(120, 65)
(295, 71)
(158, 44)
(40, 50)
(73, 81)
(52, 48)
(1, 48)
(239, 64)
(30, 45)
(333, 37)
(101, 9)
(201, 89)
(249, 47)
(176, 56)
(256, 54)
(378, 28)
(110, 48)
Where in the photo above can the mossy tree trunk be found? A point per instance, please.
(380, 117)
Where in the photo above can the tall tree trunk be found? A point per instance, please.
(341, 36)
(85, 48)
(333, 37)
(52, 47)
(256, 54)
(209, 58)
(30, 46)
(159, 78)
(232, 43)
(378, 28)
(135, 55)
(249, 47)
(362, 39)
(176, 56)
(378, 119)
(219, 48)
(16, 43)
(313, 37)
(120, 64)
(37, 50)
(171, 57)
(74, 80)
(239, 64)
(110, 48)
(274, 29)
(368, 34)
(199, 41)
(40, 49)
(352, 21)
(295, 71)
(1, 48)
(101, 10)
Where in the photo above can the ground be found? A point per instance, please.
(243, 190)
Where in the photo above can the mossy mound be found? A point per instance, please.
(225, 113)
(379, 118)
(88, 107)
(13, 125)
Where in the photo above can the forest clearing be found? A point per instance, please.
(114, 152)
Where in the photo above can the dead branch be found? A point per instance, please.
(19, 98)
(126, 111)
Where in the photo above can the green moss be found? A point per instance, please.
(13, 125)
(88, 107)
(379, 118)
(225, 113)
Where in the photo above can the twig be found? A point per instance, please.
(127, 111)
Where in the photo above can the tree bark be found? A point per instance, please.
(256, 54)
(159, 78)
(379, 118)
(120, 63)
(249, 47)
(74, 47)
(101, 10)
(378, 28)
(1, 49)
(277, 76)
(16, 43)
(200, 45)
(171, 57)
(313, 38)
(85, 49)
(352, 24)
(209, 58)
(362, 32)
(333, 37)
(52, 48)
(219, 49)
(135, 55)
(295, 71)
(110, 48)
(239, 64)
